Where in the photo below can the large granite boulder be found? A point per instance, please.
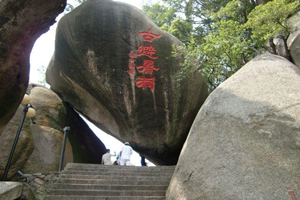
(115, 67)
(294, 38)
(21, 23)
(245, 141)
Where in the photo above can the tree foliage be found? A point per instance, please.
(222, 35)
(71, 5)
(267, 21)
(42, 74)
(224, 51)
(168, 20)
(161, 15)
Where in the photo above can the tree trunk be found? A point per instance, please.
(21, 23)
(262, 2)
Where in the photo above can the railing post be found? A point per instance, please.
(67, 128)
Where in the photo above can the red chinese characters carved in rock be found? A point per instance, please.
(147, 51)
(143, 82)
(291, 193)
(131, 69)
(148, 36)
(131, 65)
(147, 67)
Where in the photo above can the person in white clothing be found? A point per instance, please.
(125, 154)
(106, 158)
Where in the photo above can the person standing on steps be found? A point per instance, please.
(143, 161)
(106, 158)
(117, 162)
(125, 154)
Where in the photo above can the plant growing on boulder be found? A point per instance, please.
(270, 20)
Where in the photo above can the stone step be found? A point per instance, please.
(107, 192)
(96, 167)
(93, 181)
(121, 172)
(87, 171)
(110, 182)
(120, 178)
(120, 168)
(69, 197)
(88, 165)
(118, 173)
(109, 187)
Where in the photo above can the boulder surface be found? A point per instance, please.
(245, 141)
(21, 22)
(115, 67)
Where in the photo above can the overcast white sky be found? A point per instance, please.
(41, 55)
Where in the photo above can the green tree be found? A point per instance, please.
(224, 52)
(224, 35)
(168, 19)
(228, 45)
(161, 15)
(220, 44)
(197, 12)
(270, 20)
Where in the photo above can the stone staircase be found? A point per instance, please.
(92, 181)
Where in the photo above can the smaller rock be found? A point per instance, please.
(39, 182)
(293, 41)
(10, 190)
(280, 47)
(52, 115)
(27, 193)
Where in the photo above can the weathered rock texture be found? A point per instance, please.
(51, 117)
(47, 132)
(40, 144)
(294, 38)
(244, 143)
(38, 182)
(24, 148)
(15, 190)
(21, 23)
(90, 71)
(86, 146)
(47, 150)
